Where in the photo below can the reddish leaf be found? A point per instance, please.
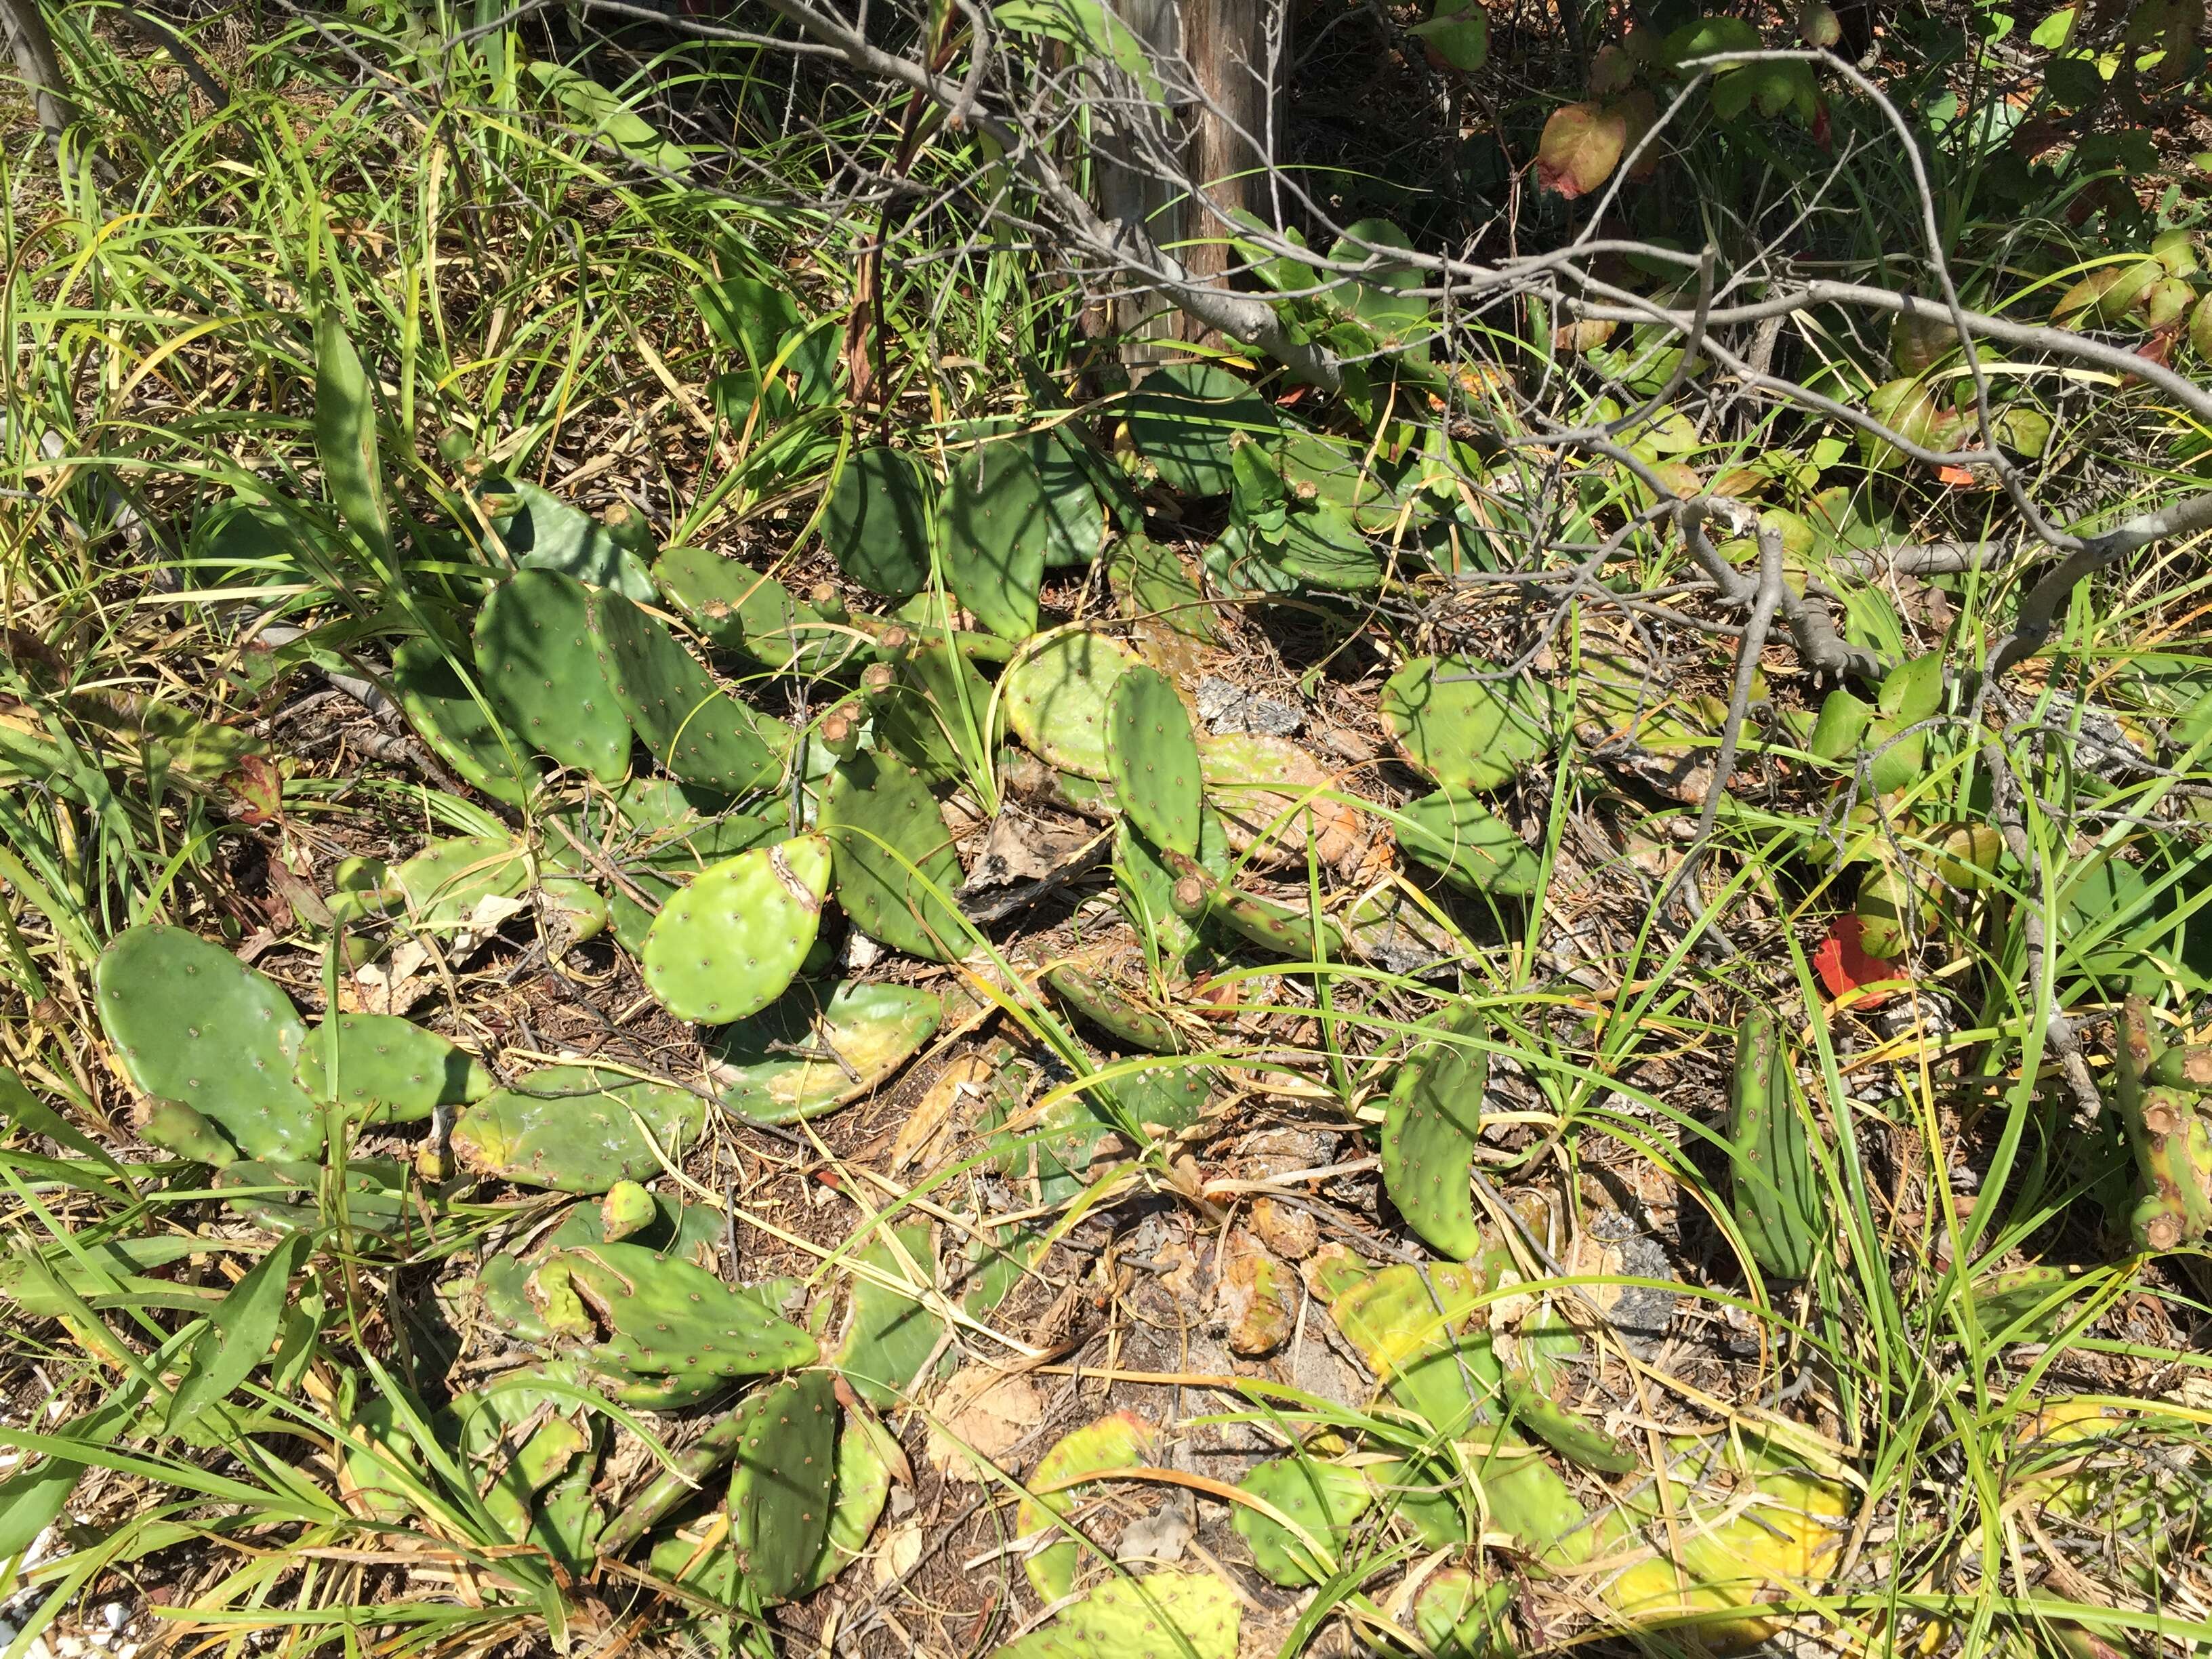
(1581, 147)
(1957, 477)
(260, 788)
(1845, 966)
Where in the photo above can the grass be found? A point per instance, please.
(257, 1441)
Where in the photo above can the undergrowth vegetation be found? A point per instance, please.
(732, 919)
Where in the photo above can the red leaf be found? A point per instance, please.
(1580, 147)
(259, 787)
(1845, 966)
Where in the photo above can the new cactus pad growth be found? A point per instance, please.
(693, 729)
(1120, 1017)
(1465, 730)
(1199, 896)
(538, 661)
(176, 1127)
(576, 1129)
(743, 611)
(388, 1070)
(626, 1211)
(1153, 760)
(893, 861)
(782, 1482)
(2162, 1103)
(1431, 1130)
(731, 943)
(1774, 1186)
(1532, 1412)
(192, 1024)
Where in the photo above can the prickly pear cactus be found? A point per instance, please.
(1113, 1011)
(1322, 1499)
(1199, 895)
(872, 1028)
(876, 522)
(1147, 887)
(742, 610)
(1153, 760)
(574, 1128)
(1190, 1615)
(1465, 732)
(1431, 1130)
(1459, 1617)
(191, 1023)
(664, 1316)
(1468, 845)
(2160, 1096)
(865, 1452)
(538, 661)
(1775, 1187)
(700, 733)
(1415, 1328)
(443, 884)
(996, 525)
(1187, 418)
(732, 942)
(289, 1196)
(626, 1211)
(893, 861)
(176, 1127)
(388, 1070)
(1123, 1440)
(1056, 699)
(465, 733)
(780, 1485)
(1425, 1498)
(890, 1335)
(1568, 1433)
(929, 707)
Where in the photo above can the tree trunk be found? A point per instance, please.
(1232, 138)
(38, 66)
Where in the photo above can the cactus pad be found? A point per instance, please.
(929, 709)
(668, 1317)
(1113, 1011)
(1461, 839)
(538, 661)
(390, 1070)
(2169, 1131)
(1431, 1130)
(697, 732)
(1187, 419)
(192, 1024)
(1148, 888)
(874, 1029)
(781, 1484)
(996, 525)
(463, 731)
(1149, 582)
(626, 1211)
(1414, 1328)
(862, 1484)
(443, 884)
(1056, 699)
(1459, 1617)
(1568, 1433)
(1153, 760)
(1320, 1498)
(1773, 1184)
(894, 861)
(889, 1335)
(1121, 1440)
(1467, 733)
(176, 1127)
(741, 609)
(1199, 895)
(571, 1128)
(877, 522)
(732, 942)
(1163, 1615)
(287, 1195)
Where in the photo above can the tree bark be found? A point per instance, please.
(31, 44)
(1226, 44)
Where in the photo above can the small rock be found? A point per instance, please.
(1917, 1015)
(1161, 1536)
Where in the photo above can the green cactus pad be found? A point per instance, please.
(1164, 1099)
(287, 1196)
(1773, 1184)
(390, 1070)
(894, 861)
(1414, 1328)
(932, 713)
(741, 609)
(538, 661)
(1467, 843)
(1431, 1130)
(874, 1029)
(696, 730)
(782, 1483)
(2170, 1132)
(1201, 895)
(865, 1452)
(668, 1317)
(1149, 580)
(889, 1335)
(1152, 759)
(1322, 1498)
(1526, 1497)
(1458, 1616)
(176, 1127)
(1186, 419)
(1424, 1498)
(1147, 888)
(1056, 699)
(997, 522)
(1532, 1412)
(1121, 1440)
(1467, 733)
(443, 884)
(544, 532)
(876, 522)
(627, 1211)
(732, 942)
(1112, 1010)
(1163, 1615)
(465, 733)
(192, 1024)
(571, 1128)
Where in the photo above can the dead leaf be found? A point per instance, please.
(1291, 1234)
(1007, 857)
(1255, 1300)
(981, 1411)
(1581, 146)
(968, 1074)
(901, 1553)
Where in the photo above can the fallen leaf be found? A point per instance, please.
(981, 1411)
(1581, 146)
(260, 788)
(967, 1075)
(1845, 966)
(1957, 477)
(900, 1554)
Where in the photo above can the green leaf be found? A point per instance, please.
(345, 432)
(1459, 33)
(599, 114)
(2052, 33)
(238, 1332)
(1091, 29)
